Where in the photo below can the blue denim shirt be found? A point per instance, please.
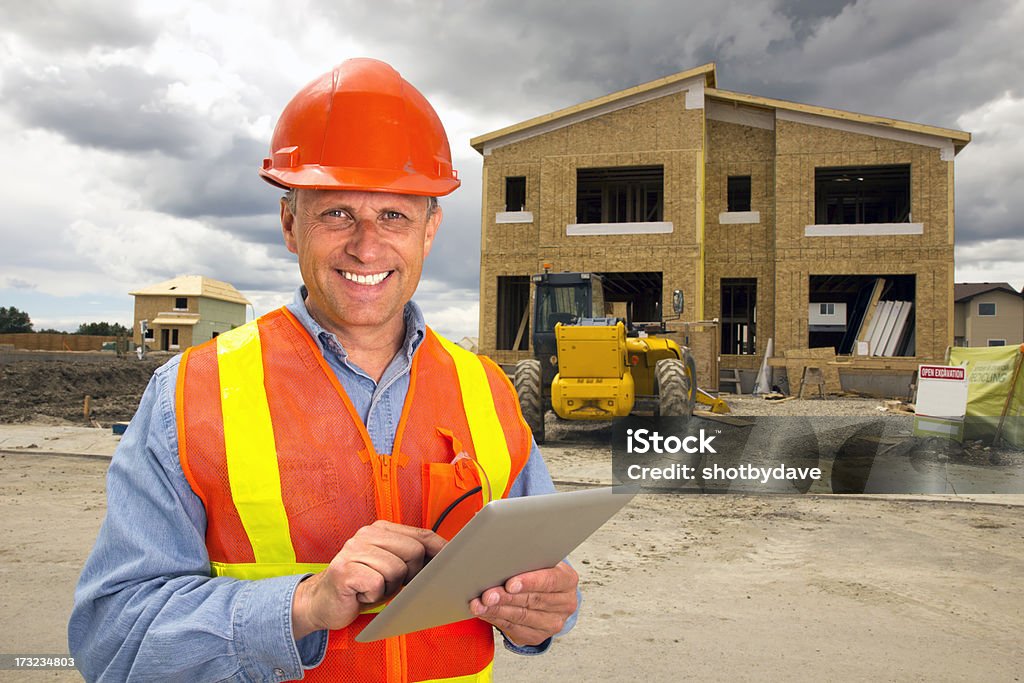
(146, 607)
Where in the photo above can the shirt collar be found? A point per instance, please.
(415, 327)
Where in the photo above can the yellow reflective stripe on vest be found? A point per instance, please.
(485, 676)
(484, 426)
(249, 446)
(252, 570)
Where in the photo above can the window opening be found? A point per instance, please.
(988, 309)
(739, 193)
(862, 194)
(628, 194)
(515, 193)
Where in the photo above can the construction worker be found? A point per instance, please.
(282, 480)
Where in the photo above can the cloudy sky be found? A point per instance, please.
(132, 129)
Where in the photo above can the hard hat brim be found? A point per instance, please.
(314, 177)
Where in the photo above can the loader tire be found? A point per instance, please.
(677, 388)
(531, 397)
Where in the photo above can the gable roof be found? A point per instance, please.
(194, 285)
(670, 84)
(666, 83)
(963, 291)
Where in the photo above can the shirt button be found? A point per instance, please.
(279, 672)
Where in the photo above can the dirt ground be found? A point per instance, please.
(48, 390)
(676, 587)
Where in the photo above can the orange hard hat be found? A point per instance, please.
(361, 126)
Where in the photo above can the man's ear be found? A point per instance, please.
(288, 227)
(433, 223)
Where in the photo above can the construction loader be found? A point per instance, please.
(590, 367)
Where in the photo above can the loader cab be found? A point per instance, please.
(561, 298)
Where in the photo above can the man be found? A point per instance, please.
(280, 482)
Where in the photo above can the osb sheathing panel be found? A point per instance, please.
(803, 148)
(661, 124)
(929, 257)
(661, 132)
(741, 250)
(509, 237)
(736, 150)
(558, 199)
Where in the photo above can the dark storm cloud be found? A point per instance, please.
(890, 58)
(218, 186)
(117, 108)
(924, 62)
(73, 25)
(805, 15)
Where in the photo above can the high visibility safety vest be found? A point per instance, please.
(287, 472)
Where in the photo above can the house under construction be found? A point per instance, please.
(811, 226)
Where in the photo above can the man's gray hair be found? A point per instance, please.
(291, 198)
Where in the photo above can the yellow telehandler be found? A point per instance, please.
(590, 367)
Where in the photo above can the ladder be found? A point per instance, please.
(727, 376)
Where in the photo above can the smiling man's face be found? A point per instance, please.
(361, 255)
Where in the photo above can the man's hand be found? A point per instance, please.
(530, 607)
(373, 564)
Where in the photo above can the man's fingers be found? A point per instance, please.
(543, 602)
(368, 584)
(557, 579)
(429, 540)
(411, 545)
(496, 601)
(521, 624)
(530, 607)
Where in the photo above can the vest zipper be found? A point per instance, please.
(395, 663)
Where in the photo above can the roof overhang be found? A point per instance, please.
(165, 319)
(879, 126)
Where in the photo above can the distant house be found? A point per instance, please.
(987, 314)
(469, 343)
(186, 311)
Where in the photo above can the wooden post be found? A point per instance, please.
(87, 407)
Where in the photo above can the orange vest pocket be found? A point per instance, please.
(452, 494)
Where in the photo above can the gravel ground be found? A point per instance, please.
(831, 406)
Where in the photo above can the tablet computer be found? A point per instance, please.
(507, 537)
